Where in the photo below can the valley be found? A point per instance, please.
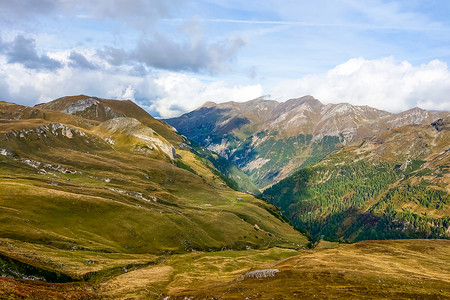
(257, 199)
(221, 150)
(337, 171)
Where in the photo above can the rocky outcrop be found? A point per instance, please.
(149, 139)
(91, 104)
(50, 129)
(80, 105)
(6, 152)
(259, 274)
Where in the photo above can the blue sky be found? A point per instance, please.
(171, 56)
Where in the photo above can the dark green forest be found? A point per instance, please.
(359, 201)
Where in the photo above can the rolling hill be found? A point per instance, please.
(406, 269)
(87, 197)
(400, 269)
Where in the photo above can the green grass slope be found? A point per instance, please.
(71, 194)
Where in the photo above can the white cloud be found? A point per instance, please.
(29, 87)
(166, 54)
(381, 83)
(180, 93)
(128, 93)
(165, 93)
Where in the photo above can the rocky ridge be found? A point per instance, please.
(269, 140)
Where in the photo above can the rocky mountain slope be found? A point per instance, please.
(393, 185)
(92, 198)
(269, 140)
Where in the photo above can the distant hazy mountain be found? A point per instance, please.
(269, 140)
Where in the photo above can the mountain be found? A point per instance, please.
(97, 109)
(93, 108)
(89, 193)
(393, 185)
(269, 140)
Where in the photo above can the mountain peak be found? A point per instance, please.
(209, 104)
(98, 109)
(242, 107)
(261, 98)
(415, 109)
(307, 98)
(310, 100)
(257, 103)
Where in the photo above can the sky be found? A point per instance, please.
(171, 56)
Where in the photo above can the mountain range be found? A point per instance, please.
(270, 140)
(337, 171)
(91, 187)
(233, 200)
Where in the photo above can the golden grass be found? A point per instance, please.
(393, 269)
(194, 271)
(396, 269)
(71, 262)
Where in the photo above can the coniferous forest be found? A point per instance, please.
(360, 201)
